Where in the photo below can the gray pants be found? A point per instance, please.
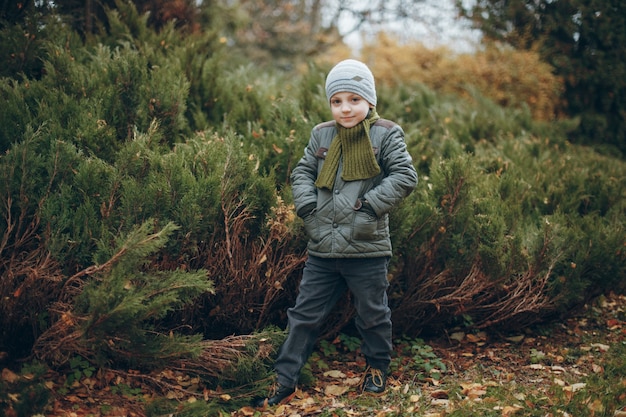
(324, 281)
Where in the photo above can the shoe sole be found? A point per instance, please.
(374, 394)
(284, 401)
(288, 398)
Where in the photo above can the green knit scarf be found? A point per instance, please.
(354, 145)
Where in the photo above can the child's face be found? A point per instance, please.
(349, 109)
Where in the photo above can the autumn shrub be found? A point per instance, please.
(94, 148)
(30, 277)
(107, 313)
(510, 78)
(509, 223)
(505, 236)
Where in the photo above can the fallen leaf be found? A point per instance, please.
(613, 324)
(473, 391)
(433, 381)
(335, 374)
(439, 394)
(475, 338)
(440, 401)
(620, 412)
(458, 336)
(352, 381)
(597, 368)
(596, 406)
(575, 387)
(9, 376)
(515, 339)
(510, 410)
(247, 411)
(601, 347)
(335, 390)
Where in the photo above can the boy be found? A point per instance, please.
(355, 169)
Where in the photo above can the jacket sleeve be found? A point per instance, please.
(303, 177)
(400, 176)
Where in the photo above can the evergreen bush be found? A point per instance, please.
(510, 224)
(113, 317)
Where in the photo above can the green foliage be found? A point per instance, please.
(79, 368)
(420, 358)
(256, 364)
(136, 126)
(123, 305)
(126, 390)
(22, 44)
(584, 41)
(351, 343)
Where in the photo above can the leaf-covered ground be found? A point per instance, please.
(572, 368)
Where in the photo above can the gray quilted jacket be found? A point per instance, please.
(337, 227)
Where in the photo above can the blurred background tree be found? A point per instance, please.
(585, 42)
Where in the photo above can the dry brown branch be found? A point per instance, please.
(250, 275)
(216, 357)
(29, 283)
(431, 299)
(525, 299)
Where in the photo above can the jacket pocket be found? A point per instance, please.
(311, 226)
(365, 226)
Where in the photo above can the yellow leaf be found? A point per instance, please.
(601, 347)
(515, 339)
(335, 374)
(458, 336)
(335, 390)
(247, 411)
(510, 410)
(575, 387)
(596, 406)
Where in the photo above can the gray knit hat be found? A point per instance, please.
(354, 77)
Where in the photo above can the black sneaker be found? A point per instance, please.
(279, 395)
(374, 382)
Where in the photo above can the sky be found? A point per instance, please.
(438, 25)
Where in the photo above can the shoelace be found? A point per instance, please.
(377, 376)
